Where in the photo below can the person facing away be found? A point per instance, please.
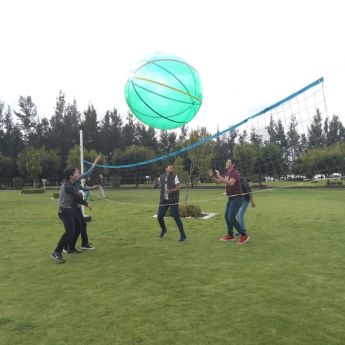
(169, 197)
(69, 198)
(88, 187)
(247, 199)
(234, 194)
(85, 244)
(100, 183)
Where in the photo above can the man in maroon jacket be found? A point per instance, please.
(234, 194)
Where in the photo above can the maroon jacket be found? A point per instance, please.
(236, 189)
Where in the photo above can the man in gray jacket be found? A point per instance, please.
(69, 198)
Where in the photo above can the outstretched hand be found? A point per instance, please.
(210, 172)
(97, 159)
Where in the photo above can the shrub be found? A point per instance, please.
(336, 183)
(194, 211)
(32, 191)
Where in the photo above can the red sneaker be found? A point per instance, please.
(228, 238)
(243, 239)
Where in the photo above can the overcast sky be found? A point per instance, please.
(249, 54)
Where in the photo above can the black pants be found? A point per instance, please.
(163, 207)
(71, 222)
(83, 232)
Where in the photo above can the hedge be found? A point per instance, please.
(32, 191)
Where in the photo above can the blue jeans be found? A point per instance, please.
(232, 207)
(241, 212)
(163, 207)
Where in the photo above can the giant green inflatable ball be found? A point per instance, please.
(164, 92)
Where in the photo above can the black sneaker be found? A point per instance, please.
(87, 246)
(75, 251)
(70, 251)
(57, 257)
(237, 234)
(182, 239)
(162, 234)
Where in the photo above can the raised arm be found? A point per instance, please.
(92, 168)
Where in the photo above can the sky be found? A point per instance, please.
(249, 54)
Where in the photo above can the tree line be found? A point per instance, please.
(34, 147)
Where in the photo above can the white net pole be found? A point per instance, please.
(82, 162)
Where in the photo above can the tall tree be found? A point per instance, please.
(200, 157)
(27, 116)
(255, 138)
(6, 168)
(336, 131)
(111, 132)
(315, 133)
(90, 128)
(183, 134)
(245, 157)
(12, 140)
(57, 122)
(71, 127)
(293, 140)
(280, 135)
(164, 141)
(146, 136)
(271, 131)
(50, 162)
(29, 163)
(242, 137)
(272, 162)
(128, 132)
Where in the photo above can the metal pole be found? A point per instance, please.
(81, 153)
(82, 163)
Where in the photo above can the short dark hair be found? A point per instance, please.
(68, 172)
(169, 164)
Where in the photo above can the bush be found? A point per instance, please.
(56, 195)
(187, 211)
(193, 211)
(336, 183)
(32, 191)
(295, 179)
(17, 182)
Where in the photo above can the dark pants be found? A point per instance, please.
(163, 207)
(83, 232)
(232, 207)
(72, 225)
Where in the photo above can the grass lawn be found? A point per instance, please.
(285, 286)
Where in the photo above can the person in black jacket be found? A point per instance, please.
(247, 199)
(69, 198)
(169, 197)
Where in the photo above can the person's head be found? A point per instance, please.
(71, 174)
(169, 169)
(229, 165)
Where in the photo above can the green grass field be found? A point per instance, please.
(286, 286)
